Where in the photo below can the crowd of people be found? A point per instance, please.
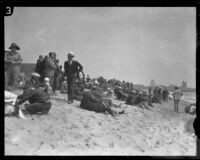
(94, 93)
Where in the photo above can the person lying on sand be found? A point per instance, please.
(10, 99)
(191, 109)
(93, 102)
(39, 101)
(142, 100)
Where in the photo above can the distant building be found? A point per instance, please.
(152, 84)
(184, 85)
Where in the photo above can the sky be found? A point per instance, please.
(135, 44)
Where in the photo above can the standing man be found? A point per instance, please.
(38, 68)
(13, 62)
(177, 96)
(72, 69)
(50, 68)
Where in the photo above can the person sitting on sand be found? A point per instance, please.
(131, 97)
(177, 96)
(120, 94)
(191, 109)
(63, 88)
(39, 101)
(33, 82)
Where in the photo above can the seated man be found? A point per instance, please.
(39, 101)
(120, 94)
(33, 82)
(10, 100)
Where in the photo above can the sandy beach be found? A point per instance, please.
(70, 130)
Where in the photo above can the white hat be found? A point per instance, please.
(70, 54)
(46, 79)
(34, 74)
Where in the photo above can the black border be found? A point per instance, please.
(98, 3)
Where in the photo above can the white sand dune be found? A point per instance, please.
(70, 130)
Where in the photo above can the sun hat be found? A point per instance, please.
(14, 45)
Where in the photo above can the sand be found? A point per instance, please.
(70, 130)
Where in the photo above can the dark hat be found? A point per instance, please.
(14, 45)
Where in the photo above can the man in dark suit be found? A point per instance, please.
(72, 69)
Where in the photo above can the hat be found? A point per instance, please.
(71, 54)
(34, 74)
(14, 45)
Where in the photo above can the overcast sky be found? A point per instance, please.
(134, 44)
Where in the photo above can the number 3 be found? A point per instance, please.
(8, 10)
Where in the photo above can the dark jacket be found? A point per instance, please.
(38, 67)
(32, 84)
(34, 96)
(73, 69)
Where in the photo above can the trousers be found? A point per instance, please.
(38, 107)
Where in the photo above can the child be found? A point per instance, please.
(63, 88)
(48, 88)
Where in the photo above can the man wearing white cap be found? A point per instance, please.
(72, 69)
(33, 82)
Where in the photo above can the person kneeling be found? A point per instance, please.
(39, 101)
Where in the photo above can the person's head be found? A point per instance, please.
(70, 56)
(35, 76)
(40, 57)
(52, 55)
(192, 109)
(14, 47)
(46, 80)
(175, 87)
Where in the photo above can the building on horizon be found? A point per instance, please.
(152, 83)
(184, 85)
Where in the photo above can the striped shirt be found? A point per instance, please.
(33, 96)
